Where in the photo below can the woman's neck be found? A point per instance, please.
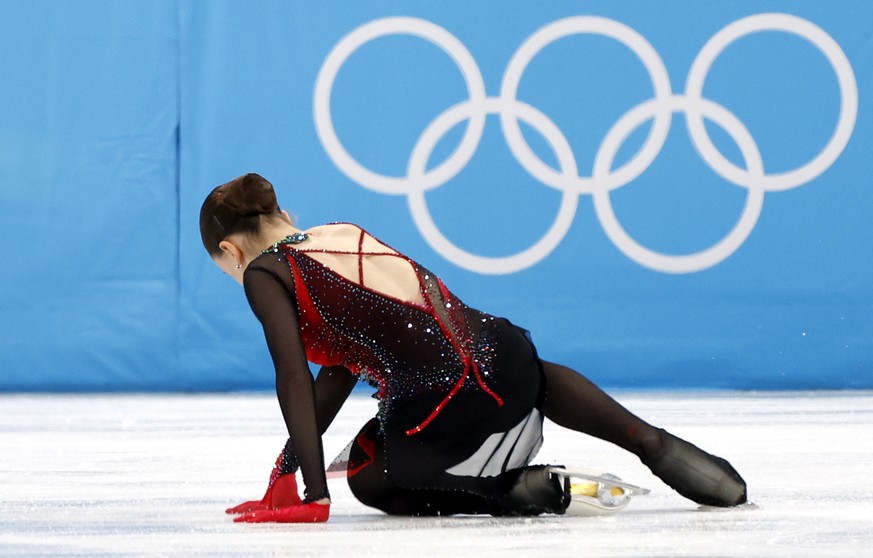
(271, 233)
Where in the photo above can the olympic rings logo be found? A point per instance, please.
(604, 179)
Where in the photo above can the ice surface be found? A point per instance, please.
(102, 475)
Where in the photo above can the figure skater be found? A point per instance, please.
(462, 394)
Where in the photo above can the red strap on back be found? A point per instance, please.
(361, 258)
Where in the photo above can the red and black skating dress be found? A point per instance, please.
(459, 391)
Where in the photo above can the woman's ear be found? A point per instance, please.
(234, 251)
(287, 217)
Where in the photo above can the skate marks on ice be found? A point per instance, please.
(130, 475)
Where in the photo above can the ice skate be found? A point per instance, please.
(535, 490)
(593, 492)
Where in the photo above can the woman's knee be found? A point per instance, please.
(366, 478)
(368, 489)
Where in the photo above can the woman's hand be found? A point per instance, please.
(313, 512)
(281, 493)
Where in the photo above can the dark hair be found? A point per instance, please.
(236, 207)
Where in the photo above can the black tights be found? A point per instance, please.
(571, 401)
(371, 487)
(574, 402)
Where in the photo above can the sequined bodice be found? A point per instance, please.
(404, 348)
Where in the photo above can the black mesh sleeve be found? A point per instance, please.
(273, 302)
(332, 387)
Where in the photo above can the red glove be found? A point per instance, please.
(301, 513)
(281, 493)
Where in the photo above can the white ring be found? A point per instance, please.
(418, 204)
(567, 180)
(708, 257)
(324, 84)
(660, 84)
(845, 78)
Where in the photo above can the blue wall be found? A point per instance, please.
(635, 249)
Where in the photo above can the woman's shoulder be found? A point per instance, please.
(268, 260)
(265, 271)
(338, 229)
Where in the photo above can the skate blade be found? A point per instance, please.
(594, 493)
(586, 475)
(592, 499)
(585, 506)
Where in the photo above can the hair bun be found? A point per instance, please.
(250, 195)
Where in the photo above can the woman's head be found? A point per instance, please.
(239, 219)
(236, 207)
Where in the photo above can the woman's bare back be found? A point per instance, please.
(358, 257)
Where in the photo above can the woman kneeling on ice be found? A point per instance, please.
(462, 394)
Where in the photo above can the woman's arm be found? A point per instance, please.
(275, 307)
(332, 387)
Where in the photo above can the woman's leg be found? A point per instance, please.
(525, 491)
(575, 402)
(371, 486)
